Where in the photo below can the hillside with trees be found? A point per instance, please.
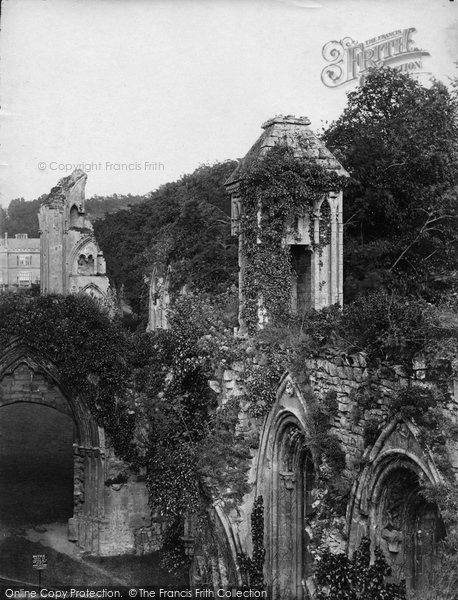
(185, 225)
(21, 216)
(397, 139)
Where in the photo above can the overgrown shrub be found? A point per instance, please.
(341, 578)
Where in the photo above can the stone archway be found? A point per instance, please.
(387, 504)
(285, 477)
(25, 379)
(36, 467)
(408, 527)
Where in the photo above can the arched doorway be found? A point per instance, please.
(285, 479)
(409, 527)
(32, 385)
(36, 466)
(387, 504)
(292, 485)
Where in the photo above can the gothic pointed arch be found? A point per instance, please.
(284, 478)
(87, 246)
(388, 506)
(26, 377)
(232, 539)
(76, 216)
(215, 557)
(93, 290)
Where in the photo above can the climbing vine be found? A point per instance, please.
(89, 351)
(341, 578)
(194, 450)
(252, 568)
(277, 190)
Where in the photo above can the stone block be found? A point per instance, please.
(228, 375)
(332, 369)
(215, 385)
(139, 520)
(357, 374)
(341, 372)
(72, 530)
(344, 422)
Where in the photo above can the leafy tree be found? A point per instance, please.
(98, 207)
(398, 140)
(192, 446)
(185, 224)
(3, 218)
(22, 217)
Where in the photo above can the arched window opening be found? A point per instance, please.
(301, 289)
(74, 217)
(86, 265)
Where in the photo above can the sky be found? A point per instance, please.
(143, 91)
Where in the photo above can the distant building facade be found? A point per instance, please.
(19, 262)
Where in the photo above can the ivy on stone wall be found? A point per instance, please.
(193, 448)
(341, 578)
(265, 363)
(252, 568)
(89, 351)
(275, 192)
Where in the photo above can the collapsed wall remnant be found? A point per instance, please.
(71, 260)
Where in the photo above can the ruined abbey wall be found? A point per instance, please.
(111, 515)
(70, 258)
(386, 471)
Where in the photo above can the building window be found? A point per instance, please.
(24, 261)
(24, 278)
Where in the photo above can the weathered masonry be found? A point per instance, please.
(71, 260)
(111, 514)
(318, 276)
(385, 502)
(110, 505)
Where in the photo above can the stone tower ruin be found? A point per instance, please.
(71, 260)
(318, 276)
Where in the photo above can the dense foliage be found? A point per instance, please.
(185, 225)
(341, 578)
(98, 207)
(193, 446)
(388, 327)
(252, 568)
(398, 140)
(89, 351)
(21, 216)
